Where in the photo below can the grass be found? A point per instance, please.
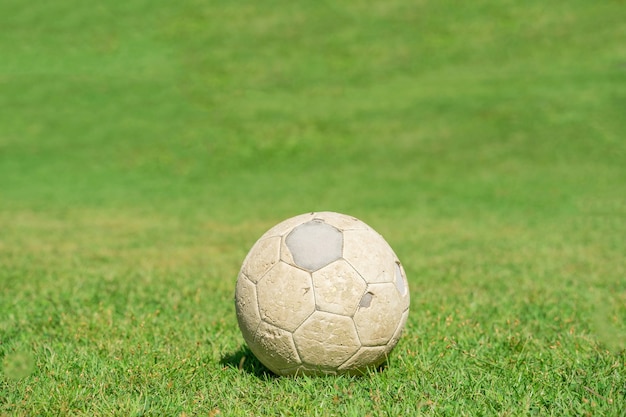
(144, 147)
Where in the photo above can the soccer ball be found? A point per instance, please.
(321, 293)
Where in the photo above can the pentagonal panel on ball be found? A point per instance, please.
(402, 285)
(314, 244)
(326, 340)
(379, 314)
(338, 288)
(274, 347)
(369, 254)
(264, 255)
(285, 296)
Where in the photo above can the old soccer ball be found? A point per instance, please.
(321, 293)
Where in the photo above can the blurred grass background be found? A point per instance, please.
(144, 146)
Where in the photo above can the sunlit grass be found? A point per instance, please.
(144, 147)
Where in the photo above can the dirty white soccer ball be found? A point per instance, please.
(321, 293)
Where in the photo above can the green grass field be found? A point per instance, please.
(145, 146)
